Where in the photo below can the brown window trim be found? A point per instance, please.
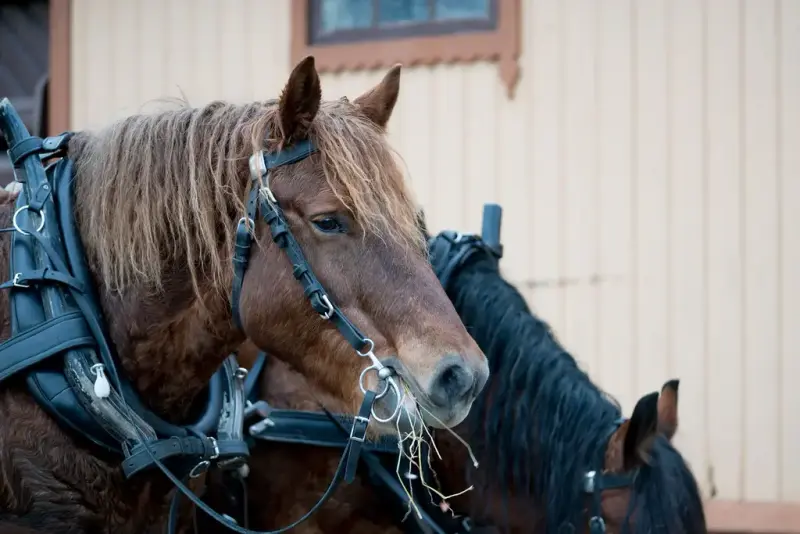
(59, 71)
(501, 44)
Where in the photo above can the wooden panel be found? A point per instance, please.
(513, 176)
(96, 99)
(125, 49)
(761, 321)
(789, 187)
(479, 139)
(234, 65)
(268, 47)
(447, 163)
(615, 188)
(206, 58)
(651, 110)
(546, 120)
(80, 63)
(417, 116)
(181, 53)
(724, 279)
(579, 177)
(686, 298)
(153, 56)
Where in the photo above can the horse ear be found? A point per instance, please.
(378, 103)
(300, 101)
(642, 429)
(668, 409)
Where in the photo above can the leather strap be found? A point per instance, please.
(315, 429)
(199, 449)
(42, 341)
(46, 275)
(36, 145)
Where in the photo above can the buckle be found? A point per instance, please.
(18, 281)
(361, 423)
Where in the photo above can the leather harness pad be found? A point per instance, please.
(36, 339)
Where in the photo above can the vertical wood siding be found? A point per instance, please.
(648, 167)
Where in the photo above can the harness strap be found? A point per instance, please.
(36, 145)
(366, 407)
(312, 289)
(203, 449)
(42, 341)
(314, 429)
(358, 433)
(46, 275)
(241, 256)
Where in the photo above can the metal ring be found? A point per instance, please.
(400, 397)
(199, 469)
(16, 224)
(364, 388)
(367, 352)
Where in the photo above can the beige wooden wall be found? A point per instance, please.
(649, 169)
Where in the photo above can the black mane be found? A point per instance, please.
(541, 423)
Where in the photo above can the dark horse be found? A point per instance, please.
(157, 200)
(553, 454)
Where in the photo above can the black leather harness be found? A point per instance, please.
(59, 343)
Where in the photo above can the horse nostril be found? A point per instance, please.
(453, 382)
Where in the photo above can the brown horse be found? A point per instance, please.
(157, 202)
(541, 431)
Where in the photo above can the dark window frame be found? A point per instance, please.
(500, 44)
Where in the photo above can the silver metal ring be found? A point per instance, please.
(363, 387)
(199, 469)
(16, 224)
(400, 397)
(367, 352)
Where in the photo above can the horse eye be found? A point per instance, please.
(329, 225)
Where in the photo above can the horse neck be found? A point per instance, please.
(169, 344)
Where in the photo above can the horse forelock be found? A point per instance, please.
(163, 189)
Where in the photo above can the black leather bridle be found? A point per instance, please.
(55, 299)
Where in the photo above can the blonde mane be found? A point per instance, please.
(156, 193)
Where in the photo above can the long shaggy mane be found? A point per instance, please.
(541, 423)
(161, 192)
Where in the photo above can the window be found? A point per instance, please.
(358, 34)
